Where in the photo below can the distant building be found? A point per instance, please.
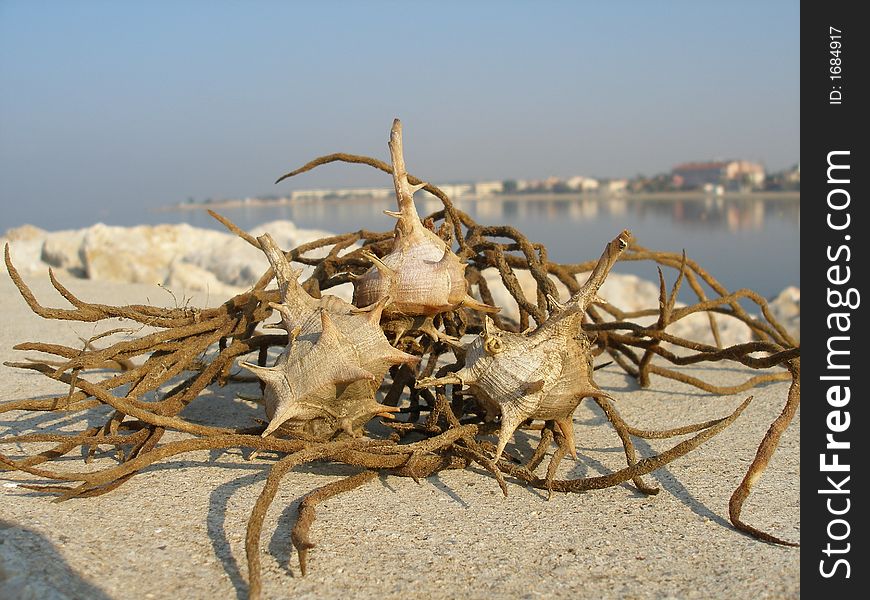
(457, 190)
(309, 195)
(581, 184)
(297, 195)
(614, 186)
(518, 185)
(488, 188)
(731, 174)
(793, 175)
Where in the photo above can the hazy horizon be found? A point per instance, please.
(146, 104)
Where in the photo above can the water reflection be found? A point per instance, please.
(745, 241)
(732, 214)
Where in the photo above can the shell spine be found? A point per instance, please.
(326, 378)
(421, 274)
(541, 374)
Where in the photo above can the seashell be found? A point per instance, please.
(421, 274)
(325, 380)
(539, 374)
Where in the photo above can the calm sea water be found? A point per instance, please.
(749, 242)
(745, 241)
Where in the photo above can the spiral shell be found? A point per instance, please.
(542, 374)
(421, 275)
(326, 378)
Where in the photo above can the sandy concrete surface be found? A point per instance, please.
(177, 529)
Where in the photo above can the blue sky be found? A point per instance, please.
(142, 104)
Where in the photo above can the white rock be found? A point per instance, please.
(180, 257)
(129, 254)
(185, 278)
(62, 249)
(25, 248)
(629, 293)
(696, 327)
(237, 263)
(231, 259)
(25, 255)
(287, 235)
(786, 307)
(25, 233)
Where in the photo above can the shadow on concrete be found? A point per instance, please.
(32, 567)
(279, 544)
(215, 522)
(664, 477)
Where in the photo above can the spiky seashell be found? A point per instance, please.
(541, 374)
(421, 274)
(326, 378)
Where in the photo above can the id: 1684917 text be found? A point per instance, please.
(835, 71)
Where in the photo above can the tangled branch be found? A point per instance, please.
(188, 349)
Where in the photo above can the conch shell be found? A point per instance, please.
(326, 378)
(542, 374)
(421, 274)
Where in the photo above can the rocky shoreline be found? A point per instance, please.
(186, 260)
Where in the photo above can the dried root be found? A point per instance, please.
(190, 349)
